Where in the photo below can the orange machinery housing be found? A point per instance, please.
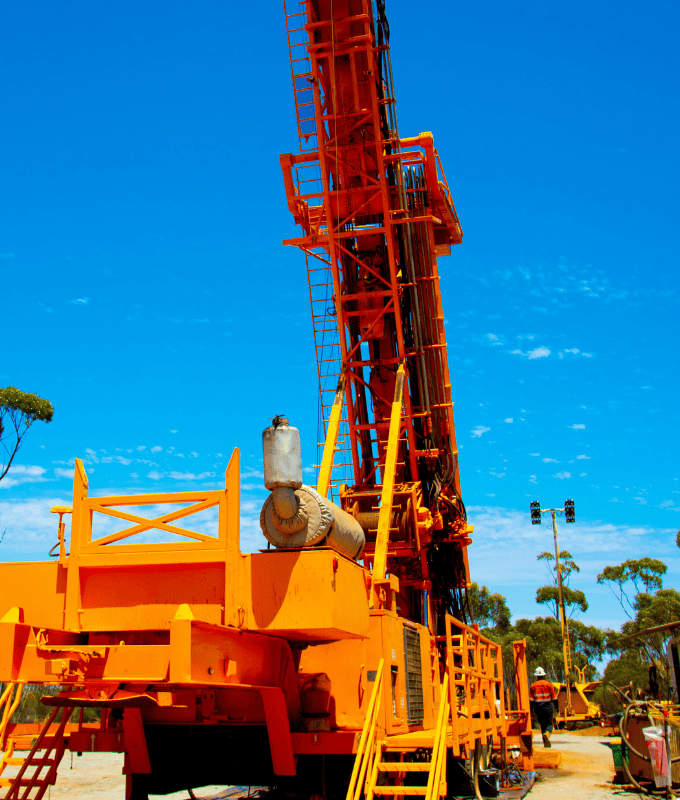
(298, 666)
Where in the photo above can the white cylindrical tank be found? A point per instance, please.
(282, 455)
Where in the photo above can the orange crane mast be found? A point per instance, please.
(343, 662)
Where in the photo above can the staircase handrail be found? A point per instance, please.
(367, 742)
(9, 705)
(439, 743)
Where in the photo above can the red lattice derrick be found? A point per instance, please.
(377, 216)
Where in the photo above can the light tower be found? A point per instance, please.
(569, 516)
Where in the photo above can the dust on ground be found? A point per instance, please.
(587, 768)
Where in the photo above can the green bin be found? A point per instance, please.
(618, 748)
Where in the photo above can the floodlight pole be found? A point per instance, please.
(566, 646)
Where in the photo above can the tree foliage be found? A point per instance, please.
(490, 611)
(648, 609)
(18, 411)
(550, 596)
(646, 572)
(573, 599)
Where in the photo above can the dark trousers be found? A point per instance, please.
(544, 715)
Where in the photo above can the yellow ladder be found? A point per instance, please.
(397, 770)
(25, 786)
(9, 702)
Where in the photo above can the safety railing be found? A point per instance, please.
(367, 749)
(186, 546)
(87, 509)
(475, 670)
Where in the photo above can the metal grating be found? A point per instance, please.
(414, 676)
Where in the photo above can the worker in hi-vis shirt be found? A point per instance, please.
(543, 699)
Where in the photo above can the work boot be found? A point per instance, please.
(546, 739)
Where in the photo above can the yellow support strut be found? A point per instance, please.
(326, 470)
(383, 534)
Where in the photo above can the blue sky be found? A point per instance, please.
(147, 295)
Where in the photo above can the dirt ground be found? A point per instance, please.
(586, 771)
(585, 774)
(99, 776)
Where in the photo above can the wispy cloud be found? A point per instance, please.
(563, 476)
(83, 301)
(23, 473)
(550, 461)
(579, 426)
(479, 430)
(537, 352)
(190, 476)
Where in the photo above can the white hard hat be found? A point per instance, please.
(540, 672)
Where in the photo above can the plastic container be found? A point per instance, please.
(656, 743)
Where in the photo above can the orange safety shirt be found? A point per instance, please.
(542, 691)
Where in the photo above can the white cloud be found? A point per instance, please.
(91, 455)
(479, 430)
(23, 473)
(583, 475)
(141, 448)
(174, 431)
(156, 449)
(583, 458)
(538, 352)
(493, 339)
(573, 350)
(533, 479)
(550, 461)
(60, 472)
(534, 454)
(587, 355)
(563, 476)
(190, 476)
(577, 427)
(508, 419)
(155, 475)
(83, 301)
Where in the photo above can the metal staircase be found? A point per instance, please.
(377, 773)
(38, 771)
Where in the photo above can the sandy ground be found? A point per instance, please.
(585, 774)
(100, 776)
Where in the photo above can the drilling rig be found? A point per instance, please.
(344, 660)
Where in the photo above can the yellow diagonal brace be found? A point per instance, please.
(331, 440)
(383, 534)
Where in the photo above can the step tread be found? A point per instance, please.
(406, 766)
(406, 790)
